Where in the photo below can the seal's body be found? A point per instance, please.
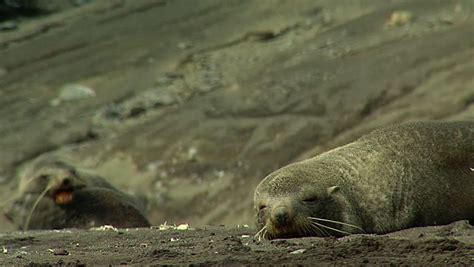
(414, 174)
(55, 195)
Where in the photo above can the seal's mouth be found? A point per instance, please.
(283, 222)
(62, 192)
(63, 197)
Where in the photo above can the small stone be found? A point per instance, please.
(105, 228)
(8, 26)
(164, 227)
(400, 18)
(71, 92)
(192, 152)
(21, 254)
(298, 251)
(183, 227)
(59, 252)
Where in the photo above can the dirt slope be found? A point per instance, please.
(193, 106)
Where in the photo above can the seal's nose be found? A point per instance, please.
(280, 216)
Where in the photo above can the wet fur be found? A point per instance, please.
(414, 174)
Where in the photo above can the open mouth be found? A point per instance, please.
(63, 197)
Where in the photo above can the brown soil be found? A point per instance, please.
(194, 105)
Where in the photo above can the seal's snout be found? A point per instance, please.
(280, 216)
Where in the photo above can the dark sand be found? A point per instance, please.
(193, 106)
(447, 246)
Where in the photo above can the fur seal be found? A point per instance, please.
(53, 194)
(413, 174)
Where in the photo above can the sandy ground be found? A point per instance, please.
(192, 107)
(441, 246)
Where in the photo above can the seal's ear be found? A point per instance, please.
(333, 189)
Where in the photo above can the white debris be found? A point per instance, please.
(183, 227)
(105, 228)
(4, 250)
(298, 251)
(164, 227)
(192, 152)
(71, 92)
(399, 18)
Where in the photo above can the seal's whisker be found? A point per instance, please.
(305, 230)
(40, 197)
(330, 228)
(15, 197)
(338, 222)
(259, 234)
(319, 229)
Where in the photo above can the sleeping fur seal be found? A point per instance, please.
(53, 194)
(414, 174)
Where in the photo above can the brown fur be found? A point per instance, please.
(414, 174)
(70, 198)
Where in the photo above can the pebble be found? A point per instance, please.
(183, 227)
(59, 252)
(71, 92)
(105, 228)
(8, 26)
(400, 18)
(298, 251)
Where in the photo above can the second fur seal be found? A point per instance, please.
(53, 194)
(413, 174)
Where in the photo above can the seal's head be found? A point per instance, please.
(54, 194)
(61, 180)
(294, 202)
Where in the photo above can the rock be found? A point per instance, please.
(298, 251)
(8, 26)
(71, 92)
(400, 18)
